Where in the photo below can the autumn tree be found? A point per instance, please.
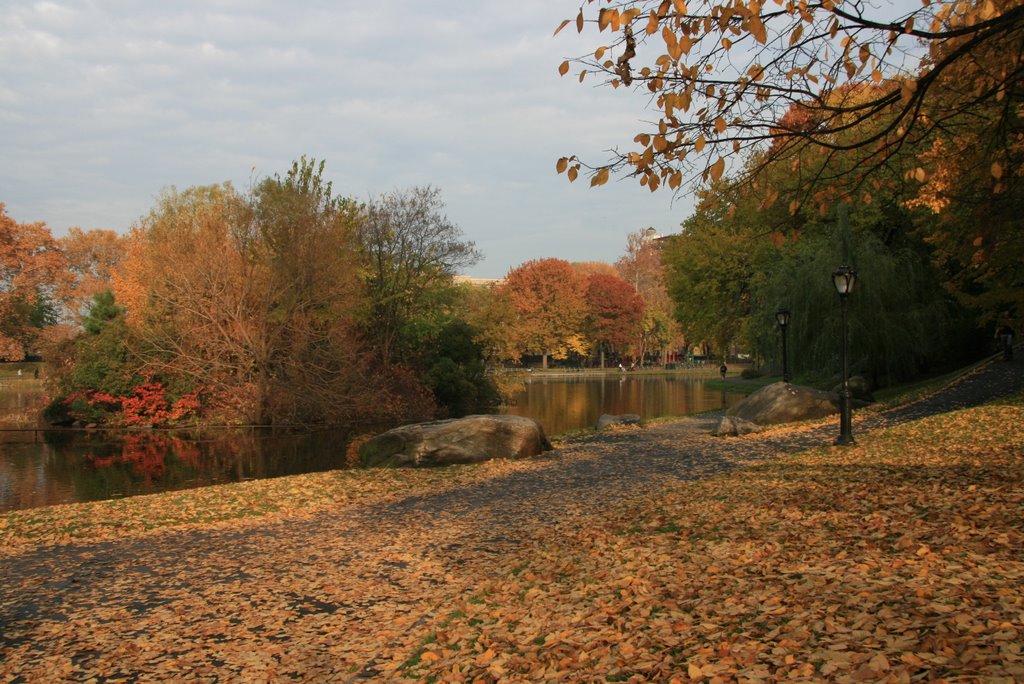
(409, 251)
(615, 311)
(33, 280)
(92, 256)
(974, 225)
(547, 299)
(490, 311)
(251, 296)
(730, 76)
(585, 269)
(642, 267)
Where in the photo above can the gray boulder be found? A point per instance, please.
(731, 426)
(462, 440)
(783, 402)
(624, 419)
(860, 389)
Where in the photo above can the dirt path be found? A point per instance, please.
(338, 594)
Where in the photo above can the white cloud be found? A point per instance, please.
(104, 104)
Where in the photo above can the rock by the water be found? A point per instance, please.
(860, 389)
(731, 426)
(782, 402)
(462, 440)
(624, 419)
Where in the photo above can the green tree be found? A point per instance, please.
(710, 271)
(737, 262)
(457, 373)
(101, 313)
(98, 360)
(409, 252)
(902, 322)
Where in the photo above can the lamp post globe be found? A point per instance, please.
(782, 317)
(844, 278)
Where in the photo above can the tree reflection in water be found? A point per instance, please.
(69, 466)
(50, 467)
(564, 403)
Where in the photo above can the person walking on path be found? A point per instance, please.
(1004, 336)
(723, 369)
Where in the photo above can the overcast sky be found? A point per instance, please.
(104, 104)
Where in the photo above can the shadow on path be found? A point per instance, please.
(339, 584)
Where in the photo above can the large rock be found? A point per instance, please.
(731, 426)
(783, 402)
(461, 440)
(860, 389)
(607, 420)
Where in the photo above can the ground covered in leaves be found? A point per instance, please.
(657, 554)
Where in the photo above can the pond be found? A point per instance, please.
(45, 467)
(572, 402)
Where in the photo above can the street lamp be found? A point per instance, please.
(844, 279)
(782, 316)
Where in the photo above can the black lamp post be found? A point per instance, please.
(782, 316)
(844, 279)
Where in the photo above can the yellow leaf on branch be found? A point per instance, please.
(757, 29)
(652, 24)
(717, 169)
(794, 37)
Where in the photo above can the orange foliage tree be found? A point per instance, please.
(585, 269)
(92, 256)
(252, 296)
(546, 296)
(33, 281)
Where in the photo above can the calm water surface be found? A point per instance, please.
(569, 403)
(45, 467)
